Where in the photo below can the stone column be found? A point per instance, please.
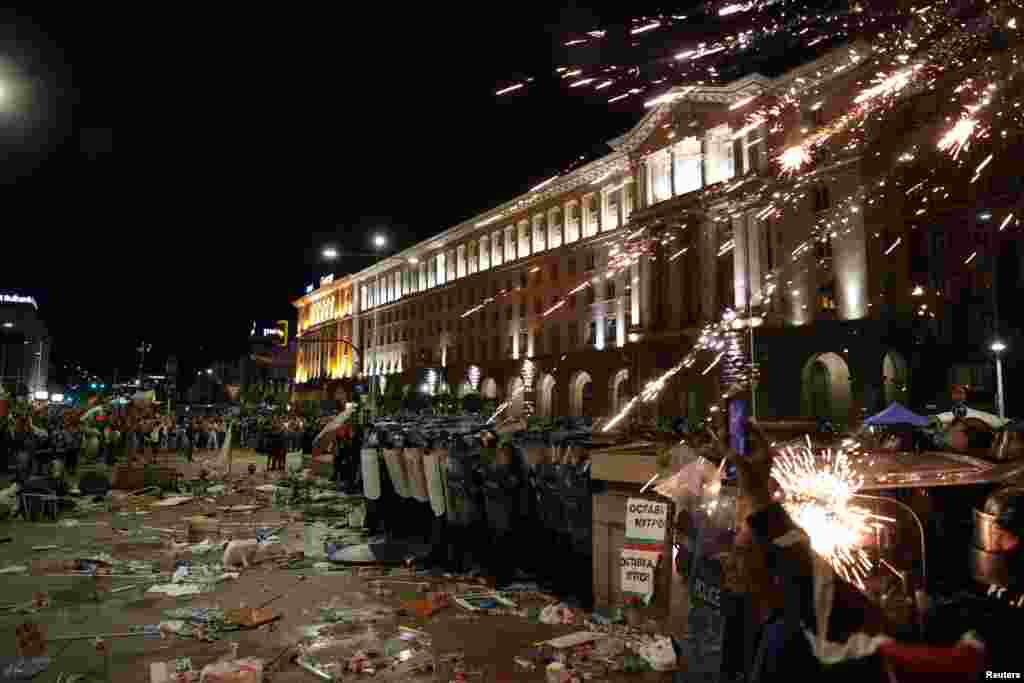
(672, 171)
(739, 261)
(640, 180)
(709, 269)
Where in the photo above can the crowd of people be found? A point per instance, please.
(32, 440)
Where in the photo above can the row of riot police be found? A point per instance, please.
(516, 510)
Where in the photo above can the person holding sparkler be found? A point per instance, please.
(811, 620)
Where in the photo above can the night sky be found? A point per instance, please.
(251, 139)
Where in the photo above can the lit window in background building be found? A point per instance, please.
(720, 163)
(612, 215)
(593, 215)
(688, 163)
(658, 167)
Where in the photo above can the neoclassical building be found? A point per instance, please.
(553, 286)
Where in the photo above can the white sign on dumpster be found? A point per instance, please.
(638, 573)
(646, 521)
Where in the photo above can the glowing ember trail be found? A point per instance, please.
(504, 406)
(712, 339)
(958, 137)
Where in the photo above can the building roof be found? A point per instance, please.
(752, 85)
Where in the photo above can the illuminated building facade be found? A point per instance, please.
(25, 345)
(550, 276)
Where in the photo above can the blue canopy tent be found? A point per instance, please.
(896, 414)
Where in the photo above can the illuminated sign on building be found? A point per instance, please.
(271, 332)
(326, 280)
(17, 299)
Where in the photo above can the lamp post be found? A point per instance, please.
(997, 348)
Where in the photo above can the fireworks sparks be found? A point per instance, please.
(817, 494)
(504, 406)
(886, 86)
(958, 137)
(712, 339)
(794, 159)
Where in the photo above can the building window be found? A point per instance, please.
(572, 223)
(556, 341)
(574, 334)
(614, 198)
(572, 265)
(538, 343)
(508, 312)
(720, 163)
(610, 289)
(688, 162)
(611, 332)
(590, 262)
(592, 334)
(554, 272)
(660, 176)
(510, 244)
(555, 229)
(522, 308)
(524, 239)
(523, 279)
(593, 215)
(524, 341)
(827, 298)
(753, 151)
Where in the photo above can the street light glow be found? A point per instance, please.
(998, 346)
(330, 252)
(380, 241)
(8, 325)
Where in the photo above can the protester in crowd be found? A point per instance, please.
(813, 622)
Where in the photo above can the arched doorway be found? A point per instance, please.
(546, 396)
(581, 394)
(489, 388)
(515, 397)
(826, 388)
(619, 391)
(894, 376)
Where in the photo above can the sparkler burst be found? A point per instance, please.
(817, 493)
(794, 159)
(958, 137)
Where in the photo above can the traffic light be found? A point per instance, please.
(282, 336)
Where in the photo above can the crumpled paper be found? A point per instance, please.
(659, 654)
(557, 614)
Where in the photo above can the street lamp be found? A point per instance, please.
(330, 253)
(997, 348)
(380, 241)
(8, 325)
